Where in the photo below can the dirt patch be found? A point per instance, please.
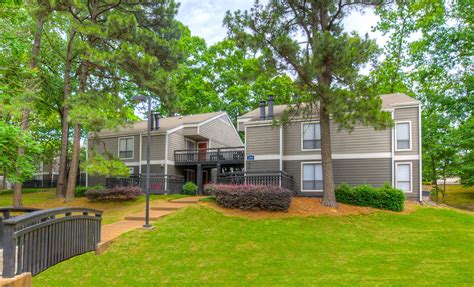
(304, 207)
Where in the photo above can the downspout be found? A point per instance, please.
(166, 161)
(140, 156)
(87, 158)
(281, 153)
(420, 156)
(392, 135)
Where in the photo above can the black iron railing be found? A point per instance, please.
(35, 241)
(159, 183)
(214, 155)
(35, 183)
(273, 178)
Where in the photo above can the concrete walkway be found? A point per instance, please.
(158, 209)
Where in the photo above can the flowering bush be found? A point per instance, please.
(116, 193)
(250, 197)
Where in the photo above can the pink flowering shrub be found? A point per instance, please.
(250, 197)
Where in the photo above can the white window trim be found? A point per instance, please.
(302, 176)
(411, 174)
(409, 136)
(133, 147)
(302, 135)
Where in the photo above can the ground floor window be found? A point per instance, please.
(312, 174)
(403, 176)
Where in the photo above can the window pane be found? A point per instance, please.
(129, 144)
(404, 185)
(403, 172)
(317, 144)
(308, 172)
(308, 132)
(308, 185)
(403, 144)
(318, 185)
(123, 145)
(318, 172)
(403, 131)
(317, 131)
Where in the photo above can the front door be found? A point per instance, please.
(202, 147)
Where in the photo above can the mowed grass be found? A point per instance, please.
(200, 246)
(458, 196)
(112, 211)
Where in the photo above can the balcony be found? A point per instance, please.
(227, 155)
(269, 178)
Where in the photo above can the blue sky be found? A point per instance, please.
(204, 18)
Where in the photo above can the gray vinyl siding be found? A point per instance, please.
(190, 131)
(220, 131)
(263, 165)
(263, 140)
(415, 177)
(176, 141)
(111, 146)
(360, 140)
(157, 149)
(409, 114)
(350, 171)
(154, 168)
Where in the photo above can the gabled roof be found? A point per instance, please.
(389, 101)
(165, 124)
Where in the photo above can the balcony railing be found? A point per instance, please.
(210, 155)
(159, 183)
(272, 178)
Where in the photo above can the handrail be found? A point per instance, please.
(6, 210)
(35, 241)
(209, 149)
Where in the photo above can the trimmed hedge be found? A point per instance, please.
(116, 193)
(384, 197)
(250, 197)
(81, 190)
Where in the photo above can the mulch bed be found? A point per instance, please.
(304, 207)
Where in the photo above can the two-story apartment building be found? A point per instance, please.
(193, 147)
(362, 156)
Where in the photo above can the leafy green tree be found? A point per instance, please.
(19, 167)
(466, 143)
(306, 38)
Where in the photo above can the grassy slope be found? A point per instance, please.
(458, 196)
(201, 246)
(113, 211)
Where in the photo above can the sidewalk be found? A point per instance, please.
(133, 221)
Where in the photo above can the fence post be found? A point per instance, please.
(9, 250)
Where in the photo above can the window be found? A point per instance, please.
(131, 170)
(312, 177)
(402, 133)
(126, 148)
(311, 136)
(404, 176)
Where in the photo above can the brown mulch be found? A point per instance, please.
(304, 207)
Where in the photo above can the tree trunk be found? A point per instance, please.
(4, 181)
(329, 196)
(435, 178)
(76, 148)
(60, 188)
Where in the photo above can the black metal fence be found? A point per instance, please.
(227, 154)
(35, 241)
(272, 178)
(47, 183)
(159, 183)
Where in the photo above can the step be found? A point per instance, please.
(141, 217)
(166, 208)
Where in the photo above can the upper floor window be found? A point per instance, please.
(402, 134)
(126, 148)
(311, 136)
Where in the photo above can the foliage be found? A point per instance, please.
(384, 197)
(81, 190)
(98, 165)
(466, 144)
(190, 188)
(114, 194)
(19, 168)
(377, 249)
(250, 197)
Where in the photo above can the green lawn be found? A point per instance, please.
(112, 211)
(199, 246)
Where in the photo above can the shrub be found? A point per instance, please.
(250, 197)
(81, 190)
(384, 197)
(190, 188)
(116, 193)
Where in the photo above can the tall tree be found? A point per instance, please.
(306, 38)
